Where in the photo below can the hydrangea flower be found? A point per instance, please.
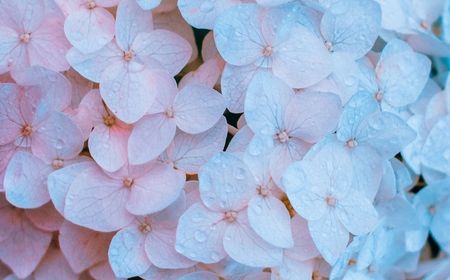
(399, 76)
(107, 201)
(31, 35)
(219, 225)
(193, 109)
(136, 62)
(148, 240)
(320, 189)
(293, 122)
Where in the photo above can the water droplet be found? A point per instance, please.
(200, 236)
(59, 144)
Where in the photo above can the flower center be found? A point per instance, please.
(170, 113)
(316, 276)
(282, 136)
(57, 163)
(432, 209)
(128, 182)
(329, 46)
(379, 95)
(351, 262)
(424, 24)
(109, 120)
(91, 5)
(267, 51)
(230, 216)
(26, 130)
(145, 227)
(351, 143)
(128, 55)
(263, 191)
(331, 201)
(25, 37)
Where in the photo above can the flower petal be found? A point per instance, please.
(25, 181)
(97, 202)
(156, 190)
(226, 183)
(127, 253)
(197, 108)
(200, 234)
(270, 219)
(89, 30)
(245, 246)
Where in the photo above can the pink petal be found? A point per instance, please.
(245, 246)
(59, 182)
(206, 74)
(197, 108)
(91, 66)
(200, 234)
(53, 264)
(174, 21)
(56, 87)
(26, 181)
(130, 21)
(102, 271)
(8, 214)
(57, 137)
(168, 218)
(209, 50)
(170, 49)
(97, 202)
(25, 247)
(89, 30)
(127, 254)
(45, 217)
(83, 248)
(48, 45)
(305, 118)
(6, 153)
(129, 90)
(10, 119)
(150, 137)
(156, 190)
(9, 40)
(108, 146)
(107, 3)
(160, 249)
(190, 152)
(80, 86)
(304, 247)
(23, 14)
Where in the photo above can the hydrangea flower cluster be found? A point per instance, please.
(301, 139)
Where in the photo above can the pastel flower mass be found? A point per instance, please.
(225, 139)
